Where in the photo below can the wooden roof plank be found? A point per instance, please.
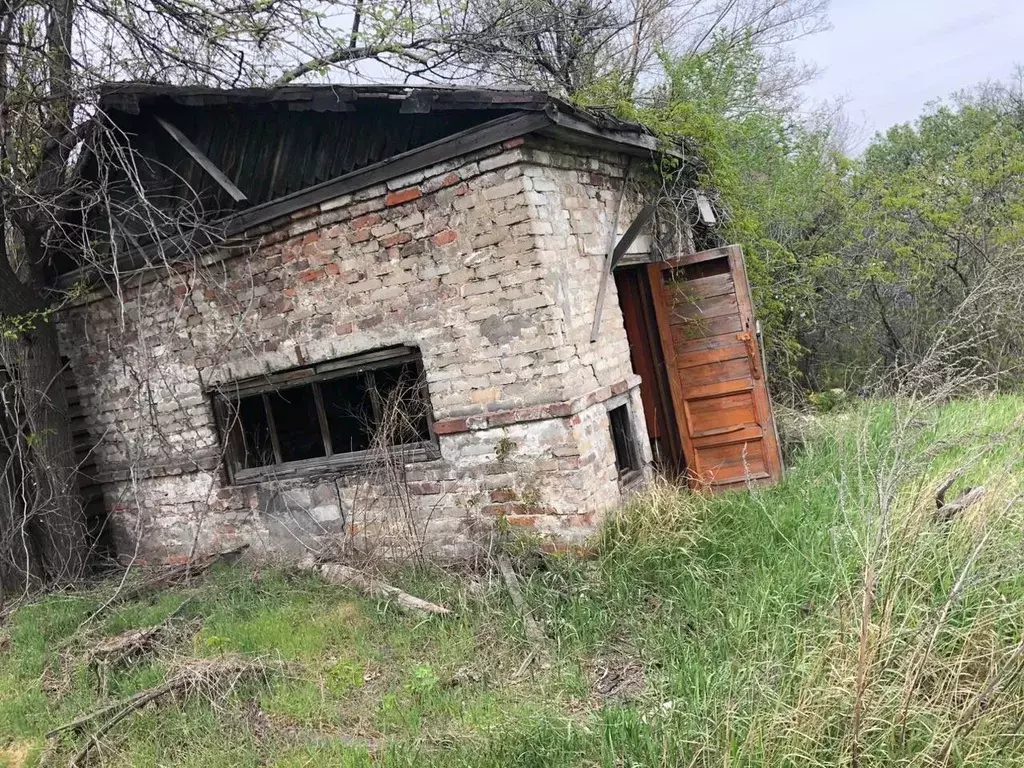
(204, 162)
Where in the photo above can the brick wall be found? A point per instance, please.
(488, 264)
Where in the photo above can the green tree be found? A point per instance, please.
(778, 181)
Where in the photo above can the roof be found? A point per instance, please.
(132, 97)
(252, 155)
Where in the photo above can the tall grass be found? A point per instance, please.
(835, 619)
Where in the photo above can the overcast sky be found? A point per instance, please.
(888, 58)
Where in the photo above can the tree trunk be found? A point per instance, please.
(46, 510)
(61, 529)
(20, 562)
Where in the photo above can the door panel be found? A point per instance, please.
(721, 401)
(715, 306)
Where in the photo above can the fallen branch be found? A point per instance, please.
(948, 511)
(174, 575)
(203, 675)
(132, 642)
(534, 633)
(165, 578)
(345, 576)
(942, 490)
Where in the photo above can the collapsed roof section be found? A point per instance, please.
(250, 155)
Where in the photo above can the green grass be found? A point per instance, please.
(737, 623)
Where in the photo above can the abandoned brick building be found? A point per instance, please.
(393, 335)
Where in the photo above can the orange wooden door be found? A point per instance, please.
(709, 341)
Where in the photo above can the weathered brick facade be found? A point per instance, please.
(488, 264)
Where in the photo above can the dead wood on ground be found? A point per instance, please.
(213, 678)
(947, 510)
(364, 583)
(534, 632)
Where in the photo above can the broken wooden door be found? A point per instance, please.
(710, 346)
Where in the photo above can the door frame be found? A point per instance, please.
(637, 305)
(669, 390)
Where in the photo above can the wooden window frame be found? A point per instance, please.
(633, 474)
(364, 364)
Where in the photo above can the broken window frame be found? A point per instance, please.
(628, 462)
(226, 398)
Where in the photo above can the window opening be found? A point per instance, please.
(627, 461)
(336, 413)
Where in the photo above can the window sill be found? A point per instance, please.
(358, 462)
(630, 482)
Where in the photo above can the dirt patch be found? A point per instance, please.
(282, 727)
(616, 676)
(15, 755)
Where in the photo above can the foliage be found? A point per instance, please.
(935, 217)
(856, 263)
(778, 180)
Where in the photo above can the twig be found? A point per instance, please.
(940, 493)
(136, 702)
(194, 675)
(862, 662)
(167, 577)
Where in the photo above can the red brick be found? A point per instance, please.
(556, 410)
(501, 419)
(578, 521)
(344, 328)
(362, 222)
(332, 269)
(310, 275)
(176, 560)
(521, 521)
(513, 143)
(451, 426)
(396, 239)
(402, 196)
(311, 237)
(504, 494)
(445, 237)
(498, 510)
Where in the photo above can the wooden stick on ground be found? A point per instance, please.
(534, 633)
(345, 576)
